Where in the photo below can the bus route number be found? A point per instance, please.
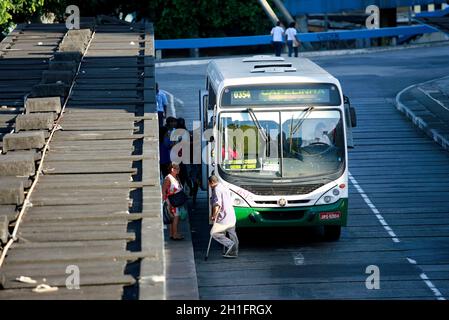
(241, 95)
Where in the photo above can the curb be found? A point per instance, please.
(417, 120)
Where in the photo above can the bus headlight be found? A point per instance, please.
(238, 201)
(332, 196)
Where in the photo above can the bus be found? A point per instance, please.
(275, 131)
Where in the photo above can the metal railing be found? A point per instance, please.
(305, 37)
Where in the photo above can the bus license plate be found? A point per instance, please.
(330, 215)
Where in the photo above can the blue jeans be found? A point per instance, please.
(291, 48)
(277, 48)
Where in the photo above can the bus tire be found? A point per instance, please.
(332, 233)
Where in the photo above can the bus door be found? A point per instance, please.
(206, 145)
(351, 121)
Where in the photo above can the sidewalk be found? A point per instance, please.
(427, 105)
(181, 280)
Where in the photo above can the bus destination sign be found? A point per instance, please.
(315, 94)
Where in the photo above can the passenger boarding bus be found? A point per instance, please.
(276, 132)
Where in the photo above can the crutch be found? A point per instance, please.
(210, 238)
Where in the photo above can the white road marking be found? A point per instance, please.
(373, 208)
(393, 236)
(429, 283)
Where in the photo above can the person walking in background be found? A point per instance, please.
(161, 105)
(292, 41)
(278, 34)
(224, 216)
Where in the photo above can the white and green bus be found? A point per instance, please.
(276, 132)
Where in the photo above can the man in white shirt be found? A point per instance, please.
(161, 105)
(224, 216)
(278, 36)
(292, 41)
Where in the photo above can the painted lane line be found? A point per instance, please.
(373, 208)
(393, 236)
(431, 286)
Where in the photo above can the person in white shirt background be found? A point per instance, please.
(278, 38)
(292, 41)
(161, 105)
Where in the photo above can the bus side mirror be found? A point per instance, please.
(353, 117)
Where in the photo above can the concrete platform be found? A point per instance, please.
(11, 191)
(427, 105)
(49, 104)
(34, 121)
(23, 141)
(22, 165)
(181, 274)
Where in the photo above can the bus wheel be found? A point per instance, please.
(332, 233)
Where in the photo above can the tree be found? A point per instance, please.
(172, 18)
(208, 18)
(19, 9)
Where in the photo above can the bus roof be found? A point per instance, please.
(266, 69)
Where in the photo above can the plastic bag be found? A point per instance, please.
(183, 212)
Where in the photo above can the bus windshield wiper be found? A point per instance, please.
(298, 125)
(256, 121)
(302, 119)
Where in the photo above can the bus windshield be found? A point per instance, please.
(281, 144)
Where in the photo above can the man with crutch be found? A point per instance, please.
(224, 219)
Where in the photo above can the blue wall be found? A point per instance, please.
(335, 6)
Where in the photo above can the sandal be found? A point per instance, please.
(179, 237)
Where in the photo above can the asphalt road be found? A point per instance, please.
(398, 215)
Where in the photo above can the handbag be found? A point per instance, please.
(167, 216)
(178, 199)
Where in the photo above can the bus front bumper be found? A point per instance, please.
(331, 214)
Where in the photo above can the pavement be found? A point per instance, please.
(180, 271)
(427, 105)
(181, 277)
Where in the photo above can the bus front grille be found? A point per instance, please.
(282, 190)
(282, 215)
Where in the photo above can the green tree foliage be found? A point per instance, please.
(19, 9)
(208, 18)
(172, 18)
